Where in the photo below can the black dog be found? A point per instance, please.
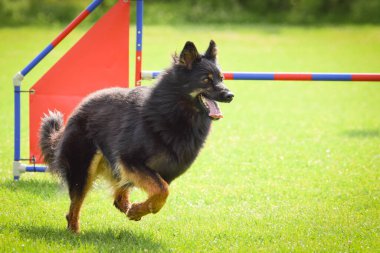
(143, 137)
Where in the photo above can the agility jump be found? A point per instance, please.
(99, 59)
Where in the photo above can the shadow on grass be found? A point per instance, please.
(102, 241)
(363, 133)
(42, 188)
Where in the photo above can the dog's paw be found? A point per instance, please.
(135, 212)
(123, 207)
(72, 226)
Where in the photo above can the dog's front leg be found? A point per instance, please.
(153, 184)
(121, 196)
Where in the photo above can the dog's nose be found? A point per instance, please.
(228, 96)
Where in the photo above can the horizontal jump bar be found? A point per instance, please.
(278, 76)
(36, 168)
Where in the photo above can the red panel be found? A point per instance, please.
(38, 106)
(292, 76)
(98, 60)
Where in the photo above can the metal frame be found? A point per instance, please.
(18, 166)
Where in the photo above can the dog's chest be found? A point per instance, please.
(168, 166)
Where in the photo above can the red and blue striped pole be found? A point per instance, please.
(61, 36)
(139, 36)
(18, 168)
(302, 76)
(278, 76)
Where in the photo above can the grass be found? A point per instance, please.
(293, 166)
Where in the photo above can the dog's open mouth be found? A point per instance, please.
(211, 106)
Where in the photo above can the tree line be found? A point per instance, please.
(302, 12)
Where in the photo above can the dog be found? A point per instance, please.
(143, 137)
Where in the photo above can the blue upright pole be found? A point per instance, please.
(17, 167)
(139, 34)
(17, 122)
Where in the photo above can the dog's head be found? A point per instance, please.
(202, 79)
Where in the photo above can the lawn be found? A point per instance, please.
(292, 167)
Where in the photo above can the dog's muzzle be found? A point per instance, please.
(226, 96)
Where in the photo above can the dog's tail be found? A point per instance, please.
(51, 131)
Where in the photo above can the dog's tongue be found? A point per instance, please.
(215, 112)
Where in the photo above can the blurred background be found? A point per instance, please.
(306, 12)
(293, 166)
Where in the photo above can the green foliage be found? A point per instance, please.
(335, 11)
(292, 167)
(20, 12)
(17, 12)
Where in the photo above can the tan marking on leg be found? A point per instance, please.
(153, 184)
(120, 187)
(121, 196)
(105, 171)
(100, 167)
(73, 216)
(95, 169)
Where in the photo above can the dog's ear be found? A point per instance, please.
(189, 55)
(211, 51)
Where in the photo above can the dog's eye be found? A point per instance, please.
(207, 80)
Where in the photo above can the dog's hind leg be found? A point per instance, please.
(153, 184)
(77, 196)
(73, 216)
(83, 162)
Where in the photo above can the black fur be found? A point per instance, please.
(50, 134)
(160, 128)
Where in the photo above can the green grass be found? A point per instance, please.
(293, 166)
